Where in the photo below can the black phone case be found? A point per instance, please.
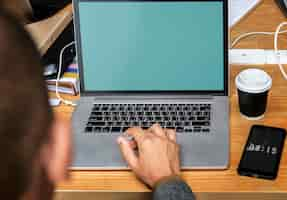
(282, 5)
(262, 152)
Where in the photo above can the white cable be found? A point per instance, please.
(276, 35)
(70, 103)
(277, 55)
(244, 35)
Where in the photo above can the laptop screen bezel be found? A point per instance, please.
(85, 92)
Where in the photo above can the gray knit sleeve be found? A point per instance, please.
(173, 189)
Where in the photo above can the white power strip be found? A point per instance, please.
(256, 56)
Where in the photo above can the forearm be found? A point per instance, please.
(172, 188)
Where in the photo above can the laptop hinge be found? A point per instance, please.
(182, 97)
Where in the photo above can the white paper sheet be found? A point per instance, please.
(239, 8)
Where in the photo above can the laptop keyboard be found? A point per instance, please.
(111, 118)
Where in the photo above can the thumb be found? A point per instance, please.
(128, 153)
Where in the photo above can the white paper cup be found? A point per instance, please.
(253, 86)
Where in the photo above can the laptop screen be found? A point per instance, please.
(151, 45)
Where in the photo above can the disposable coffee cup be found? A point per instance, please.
(253, 86)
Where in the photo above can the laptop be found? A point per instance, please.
(145, 62)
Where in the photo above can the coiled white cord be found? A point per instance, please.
(276, 35)
(277, 55)
(67, 102)
(245, 35)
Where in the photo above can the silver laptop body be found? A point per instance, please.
(165, 58)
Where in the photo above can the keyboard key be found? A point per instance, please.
(204, 123)
(182, 118)
(97, 118)
(132, 119)
(126, 123)
(156, 113)
(170, 127)
(123, 118)
(148, 113)
(191, 118)
(178, 123)
(131, 113)
(88, 129)
(145, 124)
(125, 128)
(106, 129)
(96, 113)
(173, 114)
(96, 109)
(107, 118)
(121, 108)
(116, 129)
(206, 113)
(154, 109)
(115, 118)
(140, 113)
(187, 123)
(99, 123)
(135, 123)
(165, 113)
(178, 108)
(169, 124)
(91, 123)
(179, 129)
(150, 118)
(119, 123)
(109, 124)
(195, 108)
(106, 113)
(189, 130)
(170, 108)
(181, 113)
(105, 108)
(201, 118)
(158, 118)
(97, 129)
(206, 130)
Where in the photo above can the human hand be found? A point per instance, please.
(157, 153)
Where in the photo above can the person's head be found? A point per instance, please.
(34, 145)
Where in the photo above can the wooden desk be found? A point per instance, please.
(264, 18)
(47, 31)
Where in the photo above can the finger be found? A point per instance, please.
(133, 144)
(157, 130)
(136, 132)
(176, 161)
(171, 134)
(128, 153)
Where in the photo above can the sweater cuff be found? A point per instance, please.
(167, 179)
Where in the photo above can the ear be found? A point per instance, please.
(56, 154)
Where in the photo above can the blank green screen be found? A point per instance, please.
(152, 46)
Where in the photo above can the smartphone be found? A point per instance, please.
(282, 5)
(262, 152)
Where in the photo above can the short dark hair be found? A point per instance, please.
(25, 114)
